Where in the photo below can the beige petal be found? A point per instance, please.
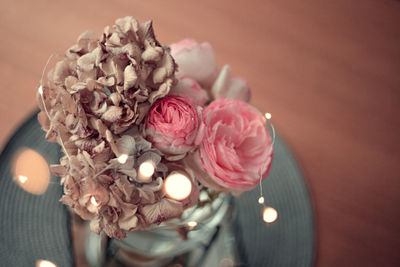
(58, 170)
(114, 40)
(175, 157)
(145, 72)
(146, 33)
(87, 75)
(85, 144)
(129, 223)
(91, 84)
(115, 98)
(104, 156)
(112, 114)
(72, 52)
(127, 24)
(86, 39)
(162, 91)
(61, 71)
(161, 211)
(126, 144)
(142, 144)
(148, 191)
(98, 125)
(99, 148)
(89, 60)
(69, 82)
(78, 86)
(133, 51)
(149, 155)
(105, 179)
(152, 53)
(129, 172)
(69, 104)
(123, 188)
(110, 81)
(165, 69)
(130, 77)
(143, 109)
(86, 62)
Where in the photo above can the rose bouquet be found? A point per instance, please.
(145, 128)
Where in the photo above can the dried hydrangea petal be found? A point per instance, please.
(162, 211)
(112, 114)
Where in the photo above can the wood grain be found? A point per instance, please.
(328, 71)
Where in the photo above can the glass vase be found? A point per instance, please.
(184, 241)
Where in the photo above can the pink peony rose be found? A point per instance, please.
(174, 125)
(236, 147)
(188, 86)
(195, 60)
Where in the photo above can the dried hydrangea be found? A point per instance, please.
(115, 78)
(110, 194)
(97, 96)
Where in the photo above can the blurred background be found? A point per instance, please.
(327, 71)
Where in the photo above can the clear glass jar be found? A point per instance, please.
(178, 240)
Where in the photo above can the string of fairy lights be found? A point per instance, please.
(176, 185)
(270, 214)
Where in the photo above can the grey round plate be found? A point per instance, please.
(32, 227)
(37, 227)
(289, 241)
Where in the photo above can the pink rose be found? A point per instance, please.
(236, 148)
(195, 60)
(188, 86)
(174, 125)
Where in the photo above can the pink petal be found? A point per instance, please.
(195, 60)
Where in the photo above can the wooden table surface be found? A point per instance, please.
(328, 71)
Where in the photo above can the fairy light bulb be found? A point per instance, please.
(93, 201)
(192, 224)
(268, 116)
(40, 90)
(22, 178)
(146, 170)
(177, 186)
(122, 158)
(270, 215)
(45, 263)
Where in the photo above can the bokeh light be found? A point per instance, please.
(146, 170)
(123, 158)
(31, 171)
(45, 263)
(93, 201)
(192, 224)
(270, 215)
(177, 186)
